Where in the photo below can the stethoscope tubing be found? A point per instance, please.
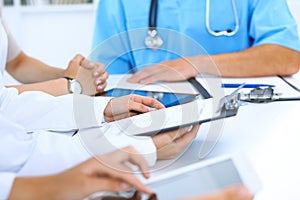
(153, 41)
(224, 32)
(153, 15)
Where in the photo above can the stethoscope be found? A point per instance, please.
(154, 41)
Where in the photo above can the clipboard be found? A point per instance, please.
(198, 86)
(196, 112)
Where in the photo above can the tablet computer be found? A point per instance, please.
(200, 178)
(206, 177)
(168, 99)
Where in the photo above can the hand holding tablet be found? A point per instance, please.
(209, 179)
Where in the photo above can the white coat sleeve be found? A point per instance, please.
(13, 48)
(40, 153)
(41, 111)
(33, 153)
(101, 140)
(6, 182)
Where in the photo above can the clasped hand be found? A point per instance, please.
(91, 75)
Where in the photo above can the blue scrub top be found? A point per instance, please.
(122, 25)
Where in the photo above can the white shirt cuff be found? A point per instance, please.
(100, 104)
(6, 183)
(69, 111)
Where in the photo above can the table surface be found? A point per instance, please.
(268, 134)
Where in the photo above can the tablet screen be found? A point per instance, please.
(166, 98)
(202, 180)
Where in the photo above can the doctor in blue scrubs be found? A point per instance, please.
(242, 38)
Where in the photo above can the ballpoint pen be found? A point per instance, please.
(236, 85)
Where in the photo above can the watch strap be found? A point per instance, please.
(70, 83)
(68, 78)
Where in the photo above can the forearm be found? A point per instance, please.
(55, 87)
(29, 70)
(34, 188)
(263, 60)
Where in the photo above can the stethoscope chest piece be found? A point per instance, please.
(153, 41)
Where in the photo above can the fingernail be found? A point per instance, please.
(98, 82)
(100, 87)
(124, 186)
(151, 109)
(189, 128)
(91, 64)
(96, 73)
(147, 174)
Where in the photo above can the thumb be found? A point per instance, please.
(87, 64)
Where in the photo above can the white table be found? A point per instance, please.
(269, 134)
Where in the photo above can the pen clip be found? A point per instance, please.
(231, 101)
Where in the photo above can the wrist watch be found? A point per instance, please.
(74, 86)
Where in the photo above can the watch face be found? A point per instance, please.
(75, 87)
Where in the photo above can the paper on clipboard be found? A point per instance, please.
(120, 81)
(281, 86)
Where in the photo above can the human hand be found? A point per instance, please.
(91, 75)
(171, 70)
(232, 193)
(129, 105)
(108, 172)
(170, 143)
